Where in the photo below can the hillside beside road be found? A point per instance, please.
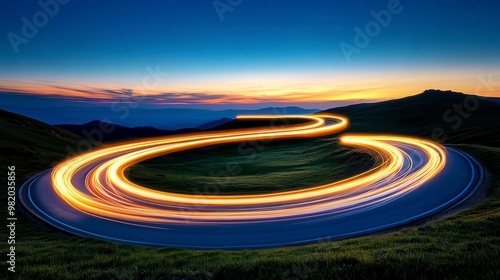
(443, 116)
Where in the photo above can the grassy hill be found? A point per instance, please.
(451, 116)
(31, 145)
(252, 167)
(463, 246)
(299, 164)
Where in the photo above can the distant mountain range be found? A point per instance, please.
(106, 132)
(494, 99)
(443, 116)
(215, 123)
(166, 119)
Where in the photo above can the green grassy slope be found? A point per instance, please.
(459, 117)
(252, 167)
(465, 246)
(33, 145)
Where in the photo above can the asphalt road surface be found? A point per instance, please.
(89, 196)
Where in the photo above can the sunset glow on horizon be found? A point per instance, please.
(298, 92)
(290, 53)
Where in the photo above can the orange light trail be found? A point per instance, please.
(108, 194)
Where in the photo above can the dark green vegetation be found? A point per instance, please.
(252, 167)
(33, 144)
(463, 246)
(443, 116)
(258, 166)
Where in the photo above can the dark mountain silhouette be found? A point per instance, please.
(443, 116)
(33, 145)
(164, 118)
(494, 99)
(251, 123)
(215, 123)
(105, 132)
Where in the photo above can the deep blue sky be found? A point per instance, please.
(286, 50)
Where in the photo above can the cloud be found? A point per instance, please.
(125, 91)
(74, 95)
(94, 95)
(106, 95)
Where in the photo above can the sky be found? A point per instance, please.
(235, 52)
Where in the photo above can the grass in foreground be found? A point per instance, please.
(463, 246)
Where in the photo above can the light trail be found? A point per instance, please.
(107, 193)
(89, 195)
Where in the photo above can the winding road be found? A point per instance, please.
(89, 195)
